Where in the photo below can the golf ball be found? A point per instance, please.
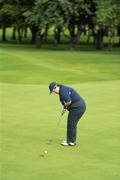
(45, 152)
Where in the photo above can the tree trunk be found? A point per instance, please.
(93, 35)
(34, 30)
(57, 36)
(20, 33)
(4, 33)
(84, 31)
(88, 37)
(99, 39)
(38, 41)
(118, 34)
(46, 33)
(14, 33)
(75, 30)
(111, 38)
(25, 32)
(71, 29)
(119, 42)
(110, 45)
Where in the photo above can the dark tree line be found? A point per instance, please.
(70, 18)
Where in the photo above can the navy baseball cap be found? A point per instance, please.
(51, 86)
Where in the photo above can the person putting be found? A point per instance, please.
(74, 103)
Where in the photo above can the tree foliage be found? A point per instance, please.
(74, 17)
(108, 17)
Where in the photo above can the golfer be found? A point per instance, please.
(74, 103)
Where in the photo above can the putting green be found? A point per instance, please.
(28, 123)
(29, 115)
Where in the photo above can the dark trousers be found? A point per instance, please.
(73, 117)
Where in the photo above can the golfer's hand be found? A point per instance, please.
(63, 111)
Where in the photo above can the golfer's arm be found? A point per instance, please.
(66, 104)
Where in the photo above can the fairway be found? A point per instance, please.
(29, 114)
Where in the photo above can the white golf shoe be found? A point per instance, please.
(65, 143)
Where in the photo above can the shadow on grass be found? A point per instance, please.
(64, 46)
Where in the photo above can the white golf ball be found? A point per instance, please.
(45, 152)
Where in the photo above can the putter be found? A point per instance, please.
(56, 128)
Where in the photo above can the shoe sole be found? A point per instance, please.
(68, 145)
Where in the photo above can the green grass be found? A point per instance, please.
(29, 115)
(32, 66)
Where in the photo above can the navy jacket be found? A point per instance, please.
(67, 94)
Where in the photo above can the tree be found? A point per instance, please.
(60, 15)
(107, 18)
(46, 14)
(20, 7)
(11, 14)
(6, 16)
(75, 20)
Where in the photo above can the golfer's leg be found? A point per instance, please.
(73, 118)
(71, 127)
